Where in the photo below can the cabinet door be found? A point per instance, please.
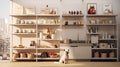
(71, 52)
(83, 52)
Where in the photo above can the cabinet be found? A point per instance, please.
(78, 51)
(102, 35)
(83, 52)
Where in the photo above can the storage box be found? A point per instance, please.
(103, 55)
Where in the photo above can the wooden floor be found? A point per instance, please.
(52, 64)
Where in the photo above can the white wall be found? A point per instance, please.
(4, 8)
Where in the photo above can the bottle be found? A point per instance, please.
(77, 12)
(41, 35)
(69, 12)
(74, 12)
(80, 12)
(48, 33)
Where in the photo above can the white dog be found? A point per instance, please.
(64, 58)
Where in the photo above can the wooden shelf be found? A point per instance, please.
(25, 34)
(50, 40)
(48, 15)
(37, 58)
(48, 58)
(24, 48)
(74, 25)
(93, 33)
(108, 39)
(69, 15)
(39, 50)
(48, 48)
(95, 15)
(23, 24)
(101, 24)
(74, 44)
(33, 25)
(23, 15)
(36, 15)
(104, 48)
(36, 48)
(25, 58)
(48, 24)
(104, 58)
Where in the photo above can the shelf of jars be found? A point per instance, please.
(32, 25)
(70, 15)
(77, 23)
(72, 18)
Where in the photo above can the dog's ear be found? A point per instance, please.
(68, 50)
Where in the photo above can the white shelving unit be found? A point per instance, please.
(27, 27)
(103, 29)
(48, 30)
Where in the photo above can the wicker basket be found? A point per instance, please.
(23, 55)
(15, 55)
(103, 55)
(112, 55)
(30, 55)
